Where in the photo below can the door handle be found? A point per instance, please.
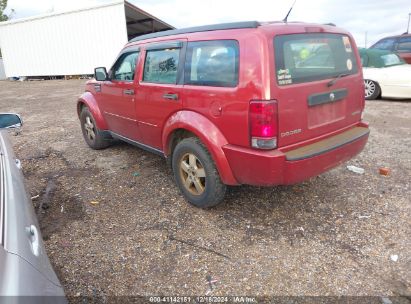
(170, 96)
(129, 92)
(18, 163)
(33, 236)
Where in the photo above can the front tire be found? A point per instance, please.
(372, 89)
(196, 175)
(92, 135)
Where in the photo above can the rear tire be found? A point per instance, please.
(196, 174)
(372, 89)
(92, 135)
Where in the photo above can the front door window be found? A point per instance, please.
(125, 67)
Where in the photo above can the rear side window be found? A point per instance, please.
(161, 66)
(391, 59)
(212, 63)
(310, 57)
(385, 44)
(404, 45)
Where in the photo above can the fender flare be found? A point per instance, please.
(89, 101)
(207, 132)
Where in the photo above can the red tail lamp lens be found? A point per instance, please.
(264, 124)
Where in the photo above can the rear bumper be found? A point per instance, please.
(265, 168)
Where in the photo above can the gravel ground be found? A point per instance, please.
(114, 223)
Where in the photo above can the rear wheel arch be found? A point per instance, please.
(185, 124)
(175, 137)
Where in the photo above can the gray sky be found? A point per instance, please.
(379, 18)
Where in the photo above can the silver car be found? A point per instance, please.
(26, 275)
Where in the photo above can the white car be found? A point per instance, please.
(385, 75)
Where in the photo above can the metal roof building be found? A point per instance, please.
(73, 42)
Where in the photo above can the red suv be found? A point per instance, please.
(230, 104)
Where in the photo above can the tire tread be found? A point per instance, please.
(214, 198)
(100, 142)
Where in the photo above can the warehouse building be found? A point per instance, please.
(74, 42)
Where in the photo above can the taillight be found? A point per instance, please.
(264, 124)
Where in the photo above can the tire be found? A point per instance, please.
(372, 89)
(92, 135)
(196, 174)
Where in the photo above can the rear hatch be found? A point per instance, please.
(318, 85)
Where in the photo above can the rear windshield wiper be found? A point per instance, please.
(332, 82)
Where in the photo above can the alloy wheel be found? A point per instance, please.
(89, 128)
(192, 174)
(369, 88)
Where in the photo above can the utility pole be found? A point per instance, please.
(365, 44)
(408, 27)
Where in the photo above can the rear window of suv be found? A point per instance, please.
(310, 57)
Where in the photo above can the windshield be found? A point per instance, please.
(310, 57)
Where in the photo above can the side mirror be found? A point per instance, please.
(100, 74)
(10, 121)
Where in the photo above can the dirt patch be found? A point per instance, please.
(52, 177)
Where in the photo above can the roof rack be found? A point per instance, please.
(204, 28)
